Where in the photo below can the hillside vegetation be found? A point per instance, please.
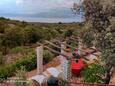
(17, 37)
(15, 33)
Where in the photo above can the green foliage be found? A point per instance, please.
(29, 62)
(87, 34)
(21, 77)
(99, 27)
(17, 49)
(1, 58)
(20, 49)
(15, 33)
(94, 73)
(32, 35)
(6, 71)
(74, 44)
(97, 15)
(12, 37)
(69, 33)
(47, 56)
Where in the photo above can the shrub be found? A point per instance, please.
(1, 58)
(94, 73)
(47, 56)
(69, 33)
(17, 49)
(32, 34)
(29, 62)
(74, 44)
(21, 77)
(13, 37)
(21, 49)
(6, 71)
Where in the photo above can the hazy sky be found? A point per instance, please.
(37, 7)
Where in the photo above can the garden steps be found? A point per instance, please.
(54, 63)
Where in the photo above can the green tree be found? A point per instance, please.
(13, 37)
(98, 17)
(32, 35)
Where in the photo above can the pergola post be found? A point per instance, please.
(63, 47)
(39, 51)
(79, 46)
(64, 62)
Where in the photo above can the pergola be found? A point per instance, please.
(69, 65)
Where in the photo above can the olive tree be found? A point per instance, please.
(100, 27)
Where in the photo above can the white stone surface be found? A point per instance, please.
(38, 78)
(53, 71)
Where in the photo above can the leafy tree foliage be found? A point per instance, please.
(15, 33)
(13, 37)
(100, 28)
(32, 34)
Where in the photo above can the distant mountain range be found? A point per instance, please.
(54, 13)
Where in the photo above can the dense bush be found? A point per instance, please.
(69, 33)
(1, 58)
(20, 49)
(47, 56)
(94, 73)
(74, 44)
(32, 34)
(16, 33)
(13, 36)
(29, 62)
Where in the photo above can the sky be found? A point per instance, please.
(31, 10)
